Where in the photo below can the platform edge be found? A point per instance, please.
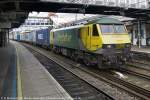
(19, 82)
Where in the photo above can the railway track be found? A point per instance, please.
(109, 78)
(141, 57)
(137, 70)
(75, 86)
(140, 64)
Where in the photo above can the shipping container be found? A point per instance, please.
(30, 37)
(34, 36)
(18, 37)
(26, 36)
(22, 37)
(43, 37)
(15, 36)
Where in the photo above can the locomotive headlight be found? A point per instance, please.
(109, 46)
(127, 45)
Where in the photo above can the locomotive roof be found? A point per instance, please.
(71, 27)
(105, 20)
(102, 20)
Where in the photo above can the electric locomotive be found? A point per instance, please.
(104, 41)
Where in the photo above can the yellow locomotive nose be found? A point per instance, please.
(114, 34)
(115, 38)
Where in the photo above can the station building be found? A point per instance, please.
(144, 35)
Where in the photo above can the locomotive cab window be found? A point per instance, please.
(95, 31)
(113, 28)
(119, 28)
(107, 28)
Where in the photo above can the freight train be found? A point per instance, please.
(103, 42)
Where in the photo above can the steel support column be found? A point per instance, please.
(139, 33)
(8, 35)
(4, 37)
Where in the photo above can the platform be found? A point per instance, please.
(35, 81)
(7, 71)
(141, 50)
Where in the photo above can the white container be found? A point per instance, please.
(34, 36)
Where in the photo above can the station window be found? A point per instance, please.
(95, 31)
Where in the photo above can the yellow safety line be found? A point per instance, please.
(19, 83)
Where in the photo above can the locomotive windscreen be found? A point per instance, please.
(112, 28)
(119, 29)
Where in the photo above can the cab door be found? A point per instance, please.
(86, 37)
(95, 38)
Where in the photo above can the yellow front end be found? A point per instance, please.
(93, 37)
(116, 38)
(115, 43)
(109, 41)
(114, 34)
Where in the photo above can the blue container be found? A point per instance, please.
(43, 37)
(30, 37)
(18, 37)
(26, 36)
(22, 37)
